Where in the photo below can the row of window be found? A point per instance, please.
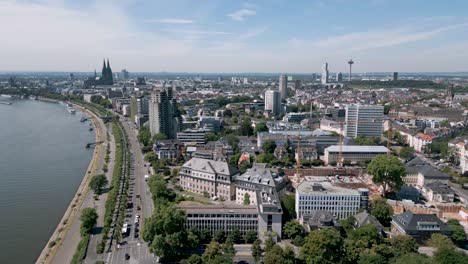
(329, 198)
(223, 215)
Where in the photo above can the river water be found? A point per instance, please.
(42, 162)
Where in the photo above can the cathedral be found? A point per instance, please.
(106, 77)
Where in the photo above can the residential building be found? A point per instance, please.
(297, 84)
(283, 86)
(258, 178)
(320, 219)
(420, 173)
(395, 76)
(419, 226)
(295, 117)
(341, 196)
(438, 192)
(210, 123)
(163, 112)
(364, 121)
(209, 177)
(273, 101)
(353, 153)
(364, 218)
(421, 140)
(325, 74)
(167, 149)
(139, 109)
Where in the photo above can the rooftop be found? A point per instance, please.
(211, 166)
(330, 186)
(374, 149)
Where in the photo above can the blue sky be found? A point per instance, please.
(234, 36)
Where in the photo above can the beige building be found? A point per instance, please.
(211, 177)
(420, 173)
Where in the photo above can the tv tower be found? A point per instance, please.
(350, 62)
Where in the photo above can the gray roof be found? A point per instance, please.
(365, 218)
(260, 174)
(211, 166)
(372, 149)
(320, 218)
(439, 187)
(409, 221)
(417, 165)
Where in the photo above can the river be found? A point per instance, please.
(42, 162)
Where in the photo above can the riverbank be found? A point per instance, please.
(71, 215)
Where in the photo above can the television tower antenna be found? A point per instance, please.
(350, 62)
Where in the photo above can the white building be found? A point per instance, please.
(331, 194)
(325, 73)
(353, 153)
(283, 86)
(420, 141)
(273, 101)
(364, 121)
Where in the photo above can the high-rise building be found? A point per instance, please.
(163, 112)
(325, 73)
(124, 75)
(283, 86)
(339, 77)
(297, 84)
(364, 120)
(395, 76)
(273, 101)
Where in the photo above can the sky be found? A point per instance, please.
(209, 36)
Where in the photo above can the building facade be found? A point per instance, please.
(273, 101)
(209, 177)
(283, 86)
(353, 153)
(163, 113)
(330, 194)
(364, 121)
(325, 74)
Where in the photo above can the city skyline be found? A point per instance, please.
(256, 36)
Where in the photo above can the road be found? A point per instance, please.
(140, 195)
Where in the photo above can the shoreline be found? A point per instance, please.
(71, 213)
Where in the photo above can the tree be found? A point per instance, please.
(381, 210)
(257, 250)
(458, 235)
(274, 255)
(293, 228)
(413, 258)
(246, 198)
(367, 233)
(298, 241)
(288, 205)
(348, 223)
(193, 259)
(387, 170)
(269, 146)
(406, 153)
(159, 136)
(97, 183)
(366, 141)
(323, 246)
(212, 250)
(228, 248)
(250, 236)
(235, 236)
(449, 255)
(289, 256)
(246, 127)
(233, 141)
(265, 158)
(88, 220)
(269, 243)
(440, 241)
(371, 259)
(211, 137)
(219, 236)
(144, 135)
(260, 127)
(401, 245)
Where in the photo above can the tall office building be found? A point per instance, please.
(395, 76)
(283, 86)
(124, 75)
(339, 77)
(364, 120)
(163, 113)
(325, 73)
(273, 101)
(297, 84)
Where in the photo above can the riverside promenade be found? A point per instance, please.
(67, 234)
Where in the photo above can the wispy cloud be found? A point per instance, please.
(170, 21)
(197, 32)
(240, 15)
(360, 41)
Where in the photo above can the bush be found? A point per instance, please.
(52, 244)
